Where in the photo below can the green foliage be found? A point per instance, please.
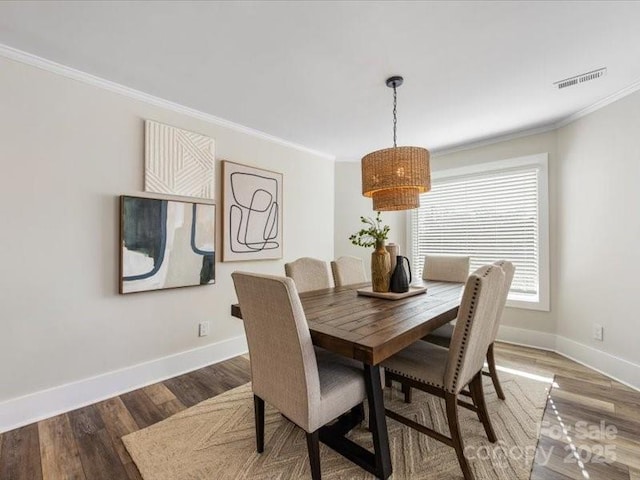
(372, 233)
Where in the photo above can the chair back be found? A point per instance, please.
(472, 334)
(446, 268)
(509, 270)
(348, 270)
(309, 274)
(284, 369)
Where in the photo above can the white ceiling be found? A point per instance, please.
(313, 72)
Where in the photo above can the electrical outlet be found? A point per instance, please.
(598, 332)
(203, 329)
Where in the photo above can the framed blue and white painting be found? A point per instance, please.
(165, 244)
(252, 213)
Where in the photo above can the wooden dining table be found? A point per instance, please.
(371, 330)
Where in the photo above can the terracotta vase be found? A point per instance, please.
(380, 268)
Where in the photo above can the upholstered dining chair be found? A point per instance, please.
(446, 268)
(311, 387)
(442, 336)
(309, 274)
(446, 372)
(348, 270)
(441, 268)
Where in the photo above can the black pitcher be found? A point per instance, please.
(399, 282)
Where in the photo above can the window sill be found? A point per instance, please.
(528, 302)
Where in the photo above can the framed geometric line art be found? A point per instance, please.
(178, 162)
(165, 244)
(252, 213)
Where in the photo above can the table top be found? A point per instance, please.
(372, 329)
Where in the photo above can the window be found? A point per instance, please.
(490, 211)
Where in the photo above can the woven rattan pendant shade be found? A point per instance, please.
(395, 177)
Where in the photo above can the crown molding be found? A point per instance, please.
(614, 97)
(477, 143)
(65, 71)
(634, 87)
(490, 140)
(59, 69)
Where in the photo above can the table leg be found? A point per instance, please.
(377, 421)
(379, 462)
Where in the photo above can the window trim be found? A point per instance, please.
(540, 161)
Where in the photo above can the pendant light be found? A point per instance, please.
(395, 177)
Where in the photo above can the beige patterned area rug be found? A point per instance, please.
(216, 440)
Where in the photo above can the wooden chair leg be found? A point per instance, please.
(258, 407)
(406, 389)
(313, 446)
(478, 398)
(491, 361)
(451, 401)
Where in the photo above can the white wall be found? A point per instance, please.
(594, 209)
(68, 150)
(599, 228)
(350, 205)
(530, 145)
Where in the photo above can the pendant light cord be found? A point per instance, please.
(395, 118)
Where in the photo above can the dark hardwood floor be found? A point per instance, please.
(85, 443)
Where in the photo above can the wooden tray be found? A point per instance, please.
(368, 292)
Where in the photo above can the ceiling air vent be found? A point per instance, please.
(583, 77)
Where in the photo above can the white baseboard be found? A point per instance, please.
(27, 409)
(527, 338)
(37, 406)
(619, 369)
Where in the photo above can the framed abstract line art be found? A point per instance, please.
(178, 162)
(165, 244)
(252, 213)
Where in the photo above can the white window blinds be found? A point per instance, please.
(489, 216)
